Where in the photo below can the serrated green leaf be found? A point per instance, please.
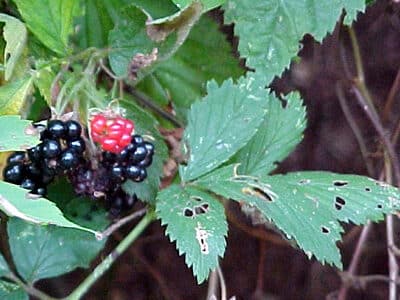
(222, 123)
(157, 9)
(277, 136)
(196, 221)
(48, 251)
(17, 202)
(205, 55)
(12, 291)
(308, 206)
(50, 21)
(13, 94)
(43, 81)
(269, 30)
(16, 134)
(146, 124)
(15, 35)
(207, 4)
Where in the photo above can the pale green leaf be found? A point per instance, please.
(207, 4)
(222, 123)
(18, 202)
(196, 221)
(280, 132)
(48, 251)
(307, 206)
(50, 21)
(269, 30)
(157, 9)
(13, 94)
(15, 35)
(17, 134)
(205, 55)
(147, 125)
(43, 81)
(10, 291)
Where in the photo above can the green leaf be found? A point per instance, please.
(13, 94)
(222, 123)
(43, 81)
(205, 55)
(308, 206)
(17, 202)
(157, 9)
(15, 35)
(269, 48)
(207, 4)
(47, 251)
(17, 134)
(12, 291)
(280, 132)
(146, 124)
(4, 269)
(196, 221)
(50, 21)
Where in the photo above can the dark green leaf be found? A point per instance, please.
(13, 95)
(12, 291)
(269, 48)
(207, 4)
(157, 9)
(308, 206)
(17, 134)
(51, 21)
(48, 251)
(222, 123)
(196, 221)
(280, 132)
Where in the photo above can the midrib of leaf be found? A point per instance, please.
(39, 257)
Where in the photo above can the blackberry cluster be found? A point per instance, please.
(113, 170)
(60, 151)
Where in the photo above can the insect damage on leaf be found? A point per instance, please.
(202, 236)
(141, 61)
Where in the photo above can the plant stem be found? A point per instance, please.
(29, 289)
(110, 259)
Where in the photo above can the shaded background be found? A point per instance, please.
(258, 263)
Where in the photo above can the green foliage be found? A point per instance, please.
(4, 270)
(221, 124)
(307, 206)
(195, 220)
(207, 4)
(13, 95)
(277, 136)
(16, 134)
(50, 21)
(17, 202)
(269, 48)
(15, 35)
(157, 10)
(48, 251)
(12, 291)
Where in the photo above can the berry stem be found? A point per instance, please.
(84, 287)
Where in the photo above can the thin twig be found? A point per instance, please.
(391, 96)
(212, 285)
(30, 289)
(393, 266)
(121, 222)
(222, 283)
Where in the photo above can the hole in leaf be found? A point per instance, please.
(304, 181)
(340, 183)
(324, 229)
(188, 213)
(205, 206)
(196, 198)
(367, 189)
(339, 203)
(198, 210)
(380, 206)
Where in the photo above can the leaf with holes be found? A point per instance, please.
(277, 136)
(15, 35)
(50, 21)
(17, 134)
(12, 291)
(196, 221)
(205, 55)
(48, 251)
(17, 202)
(13, 95)
(269, 48)
(308, 206)
(222, 123)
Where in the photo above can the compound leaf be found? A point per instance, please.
(196, 221)
(308, 206)
(223, 122)
(277, 136)
(269, 48)
(16, 134)
(48, 251)
(50, 21)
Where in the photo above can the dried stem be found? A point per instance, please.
(391, 96)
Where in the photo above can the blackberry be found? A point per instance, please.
(28, 184)
(15, 157)
(132, 172)
(33, 170)
(109, 158)
(73, 130)
(50, 149)
(117, 173)
(56, 129)
(39, 190)
(14, 173)
(146, 162)
(142, 175)
(149, 147)
(69, 159)
(137, 139)
(138, 155)
(34, 153)
(77, 145)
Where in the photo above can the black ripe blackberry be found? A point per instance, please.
(56, 129)
(69, 159)
(50, 149)
(77, 145)
(14, 173)
(18, 156)
(73, 130)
